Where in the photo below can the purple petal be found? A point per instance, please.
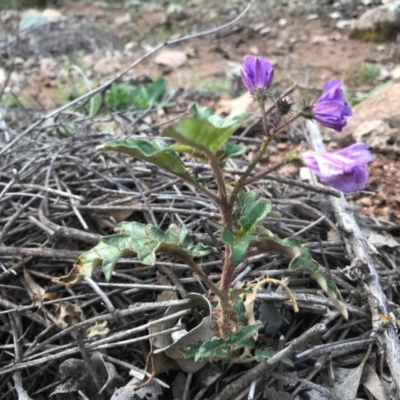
(349, 182)
(344, 170)
(331, 109)
(248, 82)
(260, 72)
(257, 73)
(358, 152)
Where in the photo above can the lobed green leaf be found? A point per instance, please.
(133, 238)
(243, 337)
(250, 208)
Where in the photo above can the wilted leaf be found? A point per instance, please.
(371, 382)
(243, 337)
(36, 292)
(100, 329)
(156, 152)
(173, 347)
(134, 237)
(69, 314)
(347, 382)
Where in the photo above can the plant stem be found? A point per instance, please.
(265, 172)
(204, 190)
(204, 277)
(223, 197)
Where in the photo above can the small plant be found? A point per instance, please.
(123, 96)
(220, 85)
(205, 136)
(367, 75)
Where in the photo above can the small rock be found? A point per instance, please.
(343, 23)
(375, 133)
(377, 24)
(319, 39)
(311, 17)
(171, 58)
(3, 76)
(254, 50)
(335, 15)
(365, 201)
(395, 73)
(123, 19)
(265, 30)
(106, 66)
(48, 67)
(18, 61)
(282, 22)
(51, 13)
(259, 26)
(381, 48)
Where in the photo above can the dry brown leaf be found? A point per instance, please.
(100, 329)
(249, 298)
(70, 314)
(36, 292)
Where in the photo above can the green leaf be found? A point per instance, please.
(231, 150)
(238, 246)
(303, 259)
(206, 114)
(201, 135)
(34, 19)
(207, 130)
(239, 309)
(215, 349)
(124, 96)
(156, 152)
(250, 209)
(191, 350)
(268, 352)
(133, 237)
(243, 337)
(155, 91)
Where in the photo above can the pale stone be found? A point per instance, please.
(395, 73)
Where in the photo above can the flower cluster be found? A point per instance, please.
(345, 169)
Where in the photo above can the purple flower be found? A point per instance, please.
(332, 109)
(257, 73)
(344, 170)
